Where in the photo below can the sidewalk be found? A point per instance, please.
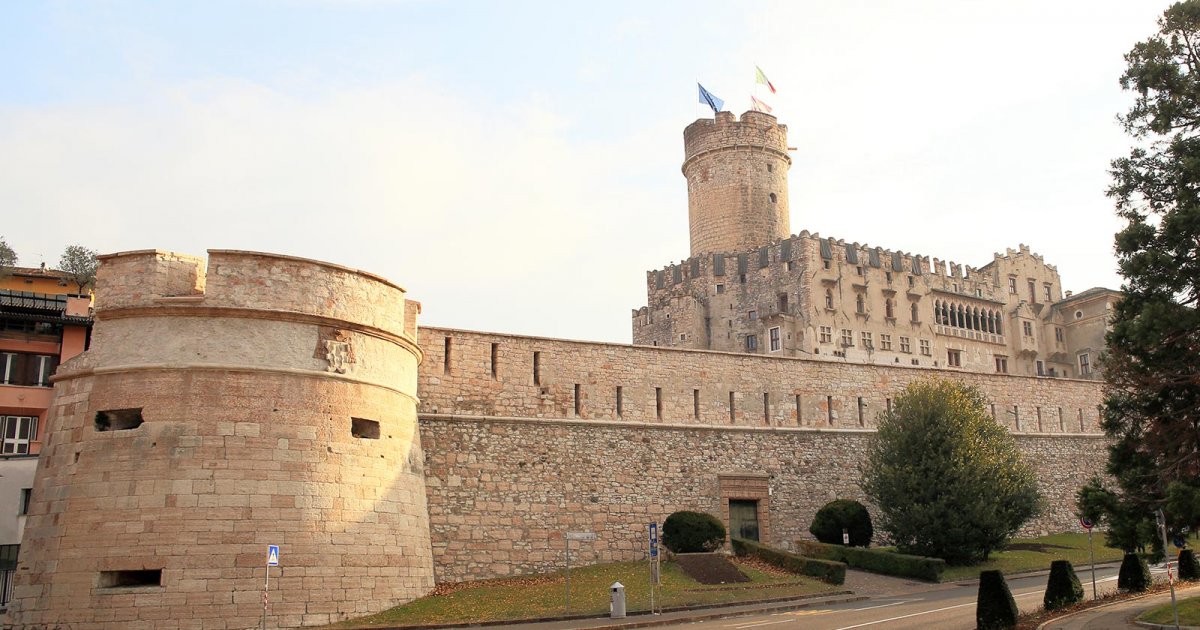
(1119, 615)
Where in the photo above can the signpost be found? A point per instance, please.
(1162, 526)
(653, 557)
(1088, 525)
(272, 561)
(568, 538)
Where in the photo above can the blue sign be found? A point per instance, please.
(653, 540)
(272, 555)
(1179, 542)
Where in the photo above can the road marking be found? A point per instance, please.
(930, 612)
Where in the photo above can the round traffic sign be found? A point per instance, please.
(1087, 523)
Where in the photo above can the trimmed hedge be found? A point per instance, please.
(995, 609)
(692, 532)
(877, 561)
(824, 570)
(1134, 576)
(1187, 565)
(843, 514)
(1063, 587)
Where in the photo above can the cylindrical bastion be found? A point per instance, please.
(265, 400)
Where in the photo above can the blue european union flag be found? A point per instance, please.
(707, 98)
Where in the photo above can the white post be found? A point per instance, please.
(266, 589)
(1162, 526)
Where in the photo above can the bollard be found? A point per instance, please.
(616, 603)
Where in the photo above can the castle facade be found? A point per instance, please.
(256, 399)
(750, 286)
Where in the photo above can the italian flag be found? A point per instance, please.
(762, 78)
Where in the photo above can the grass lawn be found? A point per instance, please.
(1189, 613)
(1030, 554)
(544, 595)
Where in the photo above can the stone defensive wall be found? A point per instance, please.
(256, 400)
(527, 438)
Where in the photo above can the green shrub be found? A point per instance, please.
(1134, 576)
(1063, 587)
(843, 514)
(824, 570)
(877, 561)
(1187, 565)
(995, 607)
(692, 532)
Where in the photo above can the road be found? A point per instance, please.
(940, 609)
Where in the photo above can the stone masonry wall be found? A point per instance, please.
(511, 465)
(259, 400)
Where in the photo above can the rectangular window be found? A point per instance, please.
(537, 368)
(783, 303)
(751, 343)
(1085, 366)
(860, 270)
(1041, 368)
(887, 275)
(847, 338)
(131, 579)
(799, 412)
(1027, 327)
(118, 419)
(1002, 365)
(889, 405)
(829, 409)
(866, 340)
(752, 315)
(904, 345)
(862, 412)
(826, 334)
(954, 358)
(8, 368)
(885, 341)
(364, 428)
(26, 497)
(696, 404)
(658, 405)
(620, 402)
(495, 358)
(1046, 293)
(766, 408)
(925, 349)
(910, 282)
(1058, 335)
(1032, 292)
(720, 289)
(1012, 285)
(774, 339)
(446, 355)
(578, 401)
(732, 410)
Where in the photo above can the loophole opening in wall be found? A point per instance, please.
(118, 419)
(131, 578)
(364, 428)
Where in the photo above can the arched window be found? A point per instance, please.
(914, 312)
(954, 316)
(772, 196)
(962, 317)
(945, 314)
(860, 304)
(829, 299)
(889, 306)
(999, 325)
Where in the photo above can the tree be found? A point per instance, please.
(1152, 404)
(949, 482)
(79, 263)
(8, 258)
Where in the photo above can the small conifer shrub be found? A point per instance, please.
(1188, 570)
(1134, 576)
(1063, 587)
(693, 532)
(839, 515)
(995, 609)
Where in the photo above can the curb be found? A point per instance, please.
(634, 621)
(1146, 624)
(1033, 573)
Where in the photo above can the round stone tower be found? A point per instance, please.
(737, 182)
(263, 400)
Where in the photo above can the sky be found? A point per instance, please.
(516, 165)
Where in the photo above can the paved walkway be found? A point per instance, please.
(1118, 616)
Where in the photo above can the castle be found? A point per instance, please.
(256, 399)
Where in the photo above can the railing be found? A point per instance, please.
(29, 300)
